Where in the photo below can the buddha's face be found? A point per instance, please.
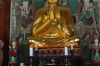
(52, 1)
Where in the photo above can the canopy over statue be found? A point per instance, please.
(53, 26)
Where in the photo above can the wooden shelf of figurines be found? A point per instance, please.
(68, 58)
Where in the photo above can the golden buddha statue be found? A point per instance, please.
(53, 26)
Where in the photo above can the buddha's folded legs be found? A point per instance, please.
(54, 41)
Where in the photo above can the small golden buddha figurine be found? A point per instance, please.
(53, 26)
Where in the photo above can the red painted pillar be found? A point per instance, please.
(2, 13)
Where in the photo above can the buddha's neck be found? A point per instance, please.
(52, 6)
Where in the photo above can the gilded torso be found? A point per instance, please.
(54, 29)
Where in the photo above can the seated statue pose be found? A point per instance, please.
(53, 26)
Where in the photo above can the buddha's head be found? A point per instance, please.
(52, 1)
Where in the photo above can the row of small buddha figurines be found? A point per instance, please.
(53, 26)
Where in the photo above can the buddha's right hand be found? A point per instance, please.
(51, 15)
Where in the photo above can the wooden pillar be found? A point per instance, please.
(2, 12)
(4, 29)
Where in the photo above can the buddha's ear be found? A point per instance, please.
(46, 1)
(58, 1)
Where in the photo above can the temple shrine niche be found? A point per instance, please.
(84, 27)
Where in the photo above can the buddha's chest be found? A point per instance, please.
(55, 13)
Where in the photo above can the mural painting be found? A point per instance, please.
(22, 16)
(86, 15)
